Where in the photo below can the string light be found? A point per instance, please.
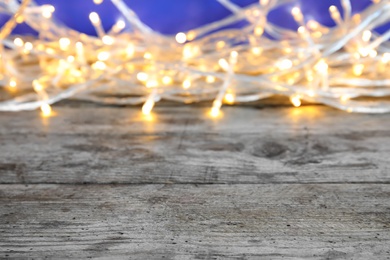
(316, 63)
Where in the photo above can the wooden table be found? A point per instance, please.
(257, 183)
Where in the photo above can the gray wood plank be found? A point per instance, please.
(246, 221)
(312, 144)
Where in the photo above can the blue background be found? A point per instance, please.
(173, 16)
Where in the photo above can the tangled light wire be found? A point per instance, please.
(345, 67)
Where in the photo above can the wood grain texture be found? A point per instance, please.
(182, 145)
(285, 221)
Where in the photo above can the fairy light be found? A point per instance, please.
(47, 11)
(181, 37)
(313, 61)
(64, 43)
(46, 110)
(97, 2)
(210, 79)
(284, 64)
(103, 56)
(167, 80)
(186, 84)
(12, 83)
(108, 40)
(296, 100)
(230, 98)
(148, 106)
(18, 42)
(142, 76)
(358, 69)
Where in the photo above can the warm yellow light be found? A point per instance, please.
(142, 76)
(12, 83)
(210, 79)
(130, 50)
(18, 42)
(152, 83)
(28, 46)
(148, 56)
(99, 65)
(37, 86)
(259, 30)
(385, 58)
(64, 43)
(120, 25)
(284, 64)
(167, 80)
(148, 106)
(366, 35)
(322, 66)
(103, 56)
(94, 17)
(186, 84)
(297, 14)
(46, 110)
(97, 2)
(358, 69)
(223, 64)
(70, 59)
(257, 51)
(373, 53)
(215, 111)
(108, 40)
(344, 98)
(47, 11)
(296, 100)
(230, 98)
(181, 37)
(221, 44)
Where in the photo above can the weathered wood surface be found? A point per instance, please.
(272, 183)
(247, 221)
(116, 145)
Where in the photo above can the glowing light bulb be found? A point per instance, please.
(366, 36)
(120, 24)
(181, 38)
(94, 18)
(148, 106)
(284, 64)
(99, 65)
(64, 43)
(28, 46)
(257, 51)
(46, 110)
(108, 40)
(148, 56)
(47, 11)
(230, 98)
(12, 83)
(210, 79)
(344, 98)
(322, 66)
(358, 69)
(296, 100)
(385, 58)
(70, 59)
(216, 108)
(18, 42)
(167, 80)
(186, 84)
(37, 86)
(152, 83)
(259, 30)
(223, 64)
(142, 76)
(97, 2)
(130, 50)
(297, 14)
(103, 56)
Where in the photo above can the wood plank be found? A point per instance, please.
(311, 144)
(247, 221)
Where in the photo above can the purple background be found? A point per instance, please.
(172, 16)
